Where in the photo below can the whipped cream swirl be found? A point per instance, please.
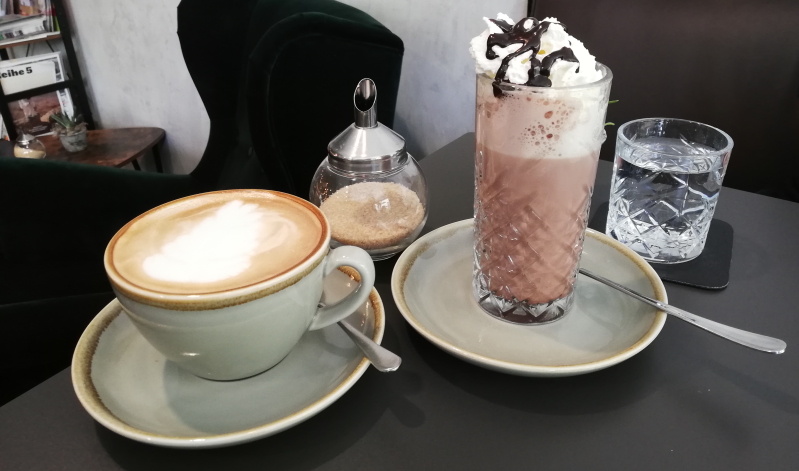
(554, 40)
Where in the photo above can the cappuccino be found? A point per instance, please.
(247, 266)
(216, 242)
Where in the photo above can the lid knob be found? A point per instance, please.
(366, 145)
(365, 107)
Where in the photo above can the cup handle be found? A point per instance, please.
(358, 259)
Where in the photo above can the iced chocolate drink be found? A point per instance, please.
(541, 101)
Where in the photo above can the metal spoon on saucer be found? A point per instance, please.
(382, 359)
(747, 339)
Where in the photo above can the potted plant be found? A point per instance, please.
(71, 130)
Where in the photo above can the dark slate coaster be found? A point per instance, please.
(710, 270)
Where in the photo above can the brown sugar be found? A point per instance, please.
(373, 215)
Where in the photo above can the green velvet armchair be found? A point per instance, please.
(276, 78)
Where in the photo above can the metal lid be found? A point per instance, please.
(25, 139)
(367, 146)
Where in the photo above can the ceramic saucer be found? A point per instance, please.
(432, 286)
(131, 389)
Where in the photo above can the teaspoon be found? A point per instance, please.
(747, 339)
(382, 359)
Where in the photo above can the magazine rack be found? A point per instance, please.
(74, 82)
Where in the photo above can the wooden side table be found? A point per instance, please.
(110, 147)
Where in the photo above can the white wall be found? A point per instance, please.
(131, 59)
(435, 104)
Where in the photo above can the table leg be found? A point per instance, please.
(135, 164)
(157, 159)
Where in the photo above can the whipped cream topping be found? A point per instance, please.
(221, 245)
(562, 72)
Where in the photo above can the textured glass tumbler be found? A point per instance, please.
(667, 176)
(535, 163)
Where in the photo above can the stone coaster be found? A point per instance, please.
(710, 270)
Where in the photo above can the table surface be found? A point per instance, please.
(688, 401)
(107, 147)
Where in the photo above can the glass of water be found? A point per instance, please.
(667, 176)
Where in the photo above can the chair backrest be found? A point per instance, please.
(276, 78)
(212, 38)
(733, 64)
(307, 58)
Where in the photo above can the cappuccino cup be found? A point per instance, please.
(225, 283)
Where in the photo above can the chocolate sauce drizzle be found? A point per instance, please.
(530, 39)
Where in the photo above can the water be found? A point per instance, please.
(661, 205)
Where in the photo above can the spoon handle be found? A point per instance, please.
(747, 339)
(381, 358)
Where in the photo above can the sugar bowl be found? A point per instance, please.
(369, 187)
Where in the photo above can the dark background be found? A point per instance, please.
(732, 64)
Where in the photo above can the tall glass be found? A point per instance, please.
(536, 155)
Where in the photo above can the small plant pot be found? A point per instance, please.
(74, 142)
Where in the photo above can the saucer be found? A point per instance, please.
(131, 389)
(432, 286)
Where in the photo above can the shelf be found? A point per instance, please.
(74, 84)
(29, 40)
(40, 90)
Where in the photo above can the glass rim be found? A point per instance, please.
(631, 143)
(521, 87)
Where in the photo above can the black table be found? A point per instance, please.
(689, 401)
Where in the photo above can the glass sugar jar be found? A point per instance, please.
(369, 187)
(28, 147)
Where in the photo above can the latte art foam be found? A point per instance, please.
(220, 246)
(216, 241)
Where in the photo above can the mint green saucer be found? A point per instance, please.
(131, 389)
(432, 287)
